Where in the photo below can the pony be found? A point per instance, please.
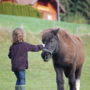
(67, 53)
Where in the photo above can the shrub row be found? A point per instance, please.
(18, 10)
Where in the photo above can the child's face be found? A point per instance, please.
(18, 36)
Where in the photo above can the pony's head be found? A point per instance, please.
(50, 39)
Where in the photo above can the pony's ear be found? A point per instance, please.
(55, 31)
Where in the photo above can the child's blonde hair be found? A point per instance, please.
(18, 35)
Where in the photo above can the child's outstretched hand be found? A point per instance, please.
(43, 45)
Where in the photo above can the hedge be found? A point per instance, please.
(18, 10)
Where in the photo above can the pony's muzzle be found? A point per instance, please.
(46, 56)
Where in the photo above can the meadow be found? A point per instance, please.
(40, 75)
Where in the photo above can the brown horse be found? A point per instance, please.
(67, 53)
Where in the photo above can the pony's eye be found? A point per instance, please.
(44, 42)
(52, 40)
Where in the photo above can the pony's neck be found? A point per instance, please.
(61, 44)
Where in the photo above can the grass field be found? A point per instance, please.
(40, 75)
(36, 25)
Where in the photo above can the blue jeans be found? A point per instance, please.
(20, 75)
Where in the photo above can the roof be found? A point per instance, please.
(25, 2)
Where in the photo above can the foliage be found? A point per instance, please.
(75, 18)
(18, 10)
(75, 7)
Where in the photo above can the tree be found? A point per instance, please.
(78, 6)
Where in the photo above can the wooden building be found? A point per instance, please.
(50, 9)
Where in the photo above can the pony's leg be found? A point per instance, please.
(59, 78)
(77, 75)
(72, 80)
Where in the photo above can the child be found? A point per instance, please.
(18, 54)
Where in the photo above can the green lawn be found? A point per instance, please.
(40, 75)
(36, 25)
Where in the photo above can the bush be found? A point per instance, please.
(75, 18)
(77, 6)
(18, 10)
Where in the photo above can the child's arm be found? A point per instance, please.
(34, 48)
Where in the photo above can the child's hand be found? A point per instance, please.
(43, 45)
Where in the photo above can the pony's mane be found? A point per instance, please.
(46, 31)
(61, 33)
(68, 37)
